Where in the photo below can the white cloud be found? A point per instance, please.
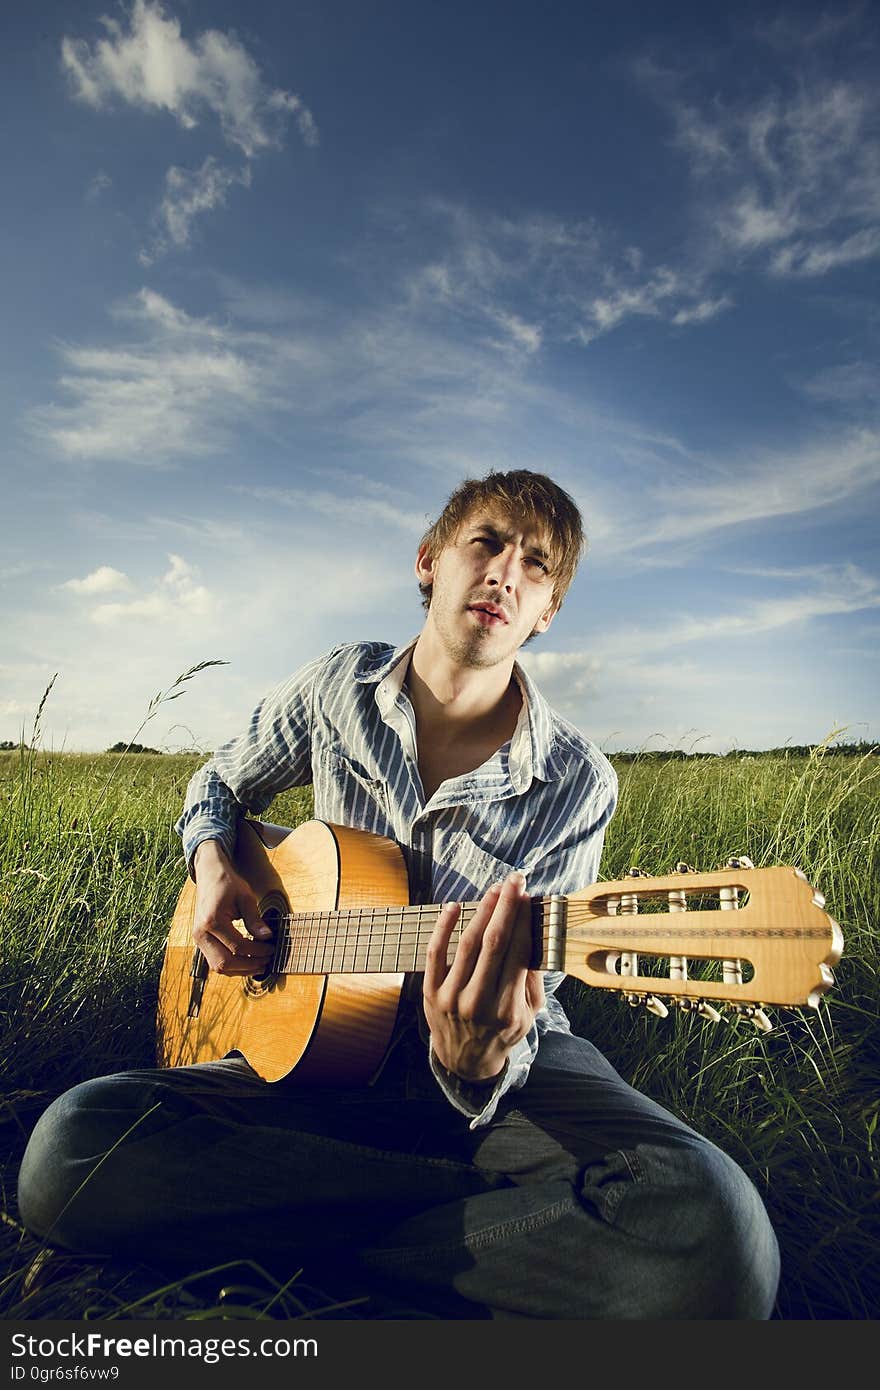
(787, 178)
(802, 258)
(175, 393)
(654, 297)
(703, 311)
(349, 506)
(831, 472)
(97, 185)
(751, 224)
(846, 384)
(178, 385)
(151, 65)
(692, 665)
(543, 280)
(191, 192)
(577, 672)
(103, 580)
(177, 598)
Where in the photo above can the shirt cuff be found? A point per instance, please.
(470, 1097)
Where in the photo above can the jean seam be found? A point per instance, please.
(478, 1240)
(615, 1195)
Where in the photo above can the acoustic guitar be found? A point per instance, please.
(345, 935)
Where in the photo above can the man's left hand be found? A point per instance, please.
(485, 1000)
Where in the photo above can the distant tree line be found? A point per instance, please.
(660, 755)
(790, 750)
(133, 748)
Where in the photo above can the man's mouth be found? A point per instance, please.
(488, 613)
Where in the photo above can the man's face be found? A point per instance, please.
(491, 588)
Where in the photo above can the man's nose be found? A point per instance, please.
(502, 570)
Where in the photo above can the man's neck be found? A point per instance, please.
(452, 701)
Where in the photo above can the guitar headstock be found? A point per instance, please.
(739, 936)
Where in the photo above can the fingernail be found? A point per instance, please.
(517, 879)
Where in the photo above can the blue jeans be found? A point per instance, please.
(582, 1199)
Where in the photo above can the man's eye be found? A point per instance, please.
(539, 564)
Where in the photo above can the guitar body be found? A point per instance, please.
(323, 1029)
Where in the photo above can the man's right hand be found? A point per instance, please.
(222, 897)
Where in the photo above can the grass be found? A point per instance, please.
(90, 870)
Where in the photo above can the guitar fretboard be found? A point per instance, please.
(370, 940)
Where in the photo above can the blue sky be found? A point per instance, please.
(276, 277)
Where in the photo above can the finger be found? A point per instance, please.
(504, 954)
(437, 953)
(229, 950)
(535, 995)
(250, 915)
(470, 943)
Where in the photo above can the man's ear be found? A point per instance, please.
(546, 618)
(424, 565)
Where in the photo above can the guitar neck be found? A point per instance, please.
(380, 940)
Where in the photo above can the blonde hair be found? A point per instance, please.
(529, 497)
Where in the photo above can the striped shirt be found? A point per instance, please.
(344, 723)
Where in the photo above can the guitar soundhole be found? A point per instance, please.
(273, 909)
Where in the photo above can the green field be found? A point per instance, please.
(90, 870)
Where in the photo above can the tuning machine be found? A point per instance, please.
(739, 861)
(653, 1004)
(756, 1013)
(699, 1006)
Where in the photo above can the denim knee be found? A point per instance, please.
(59, 1183)
(721, 1252)
(747, 1264)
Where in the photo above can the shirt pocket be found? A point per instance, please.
(347, 794)
(462, 871)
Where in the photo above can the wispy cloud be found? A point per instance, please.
(847, 384)
(175, 391)
(541, 279)
(146, 62)
(780, 483)
(351, 506)
(786, 178)
(666, 294)
(172, 385)
(656, 658)
(98, 184)
(189, 193)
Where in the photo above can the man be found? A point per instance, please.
(497, 1165)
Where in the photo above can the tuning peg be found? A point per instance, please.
(656, 1006)
(756, 1013)
(708, 1011)
(651, 1002)
(740, 861)
(699, 1006)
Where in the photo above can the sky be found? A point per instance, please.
(276, 278)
